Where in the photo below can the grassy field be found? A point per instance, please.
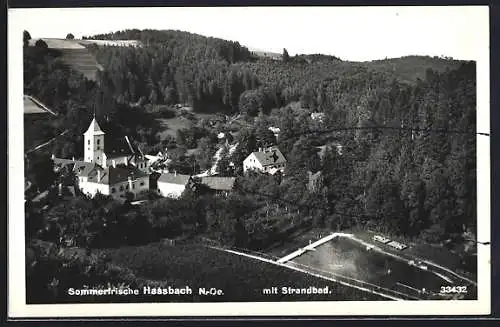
(240, 278)
(81, 60)
(410, 68)
(297, 240)
(74, 55)
(172, 125)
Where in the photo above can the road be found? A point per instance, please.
(38, 147)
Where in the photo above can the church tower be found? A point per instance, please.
(94, 143)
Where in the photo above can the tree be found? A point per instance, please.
(303, 157)
(70, 36)
(207, 150)
(286, 57)
(26, 38)
(41, 44)
(44, 175)
(265, 138)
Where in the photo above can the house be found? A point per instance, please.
(219, 185)
(115, 180)
(315, 181)
(328, 147)
(106, 170)
(276, 131)
(172, 184)
(318, 116)
(267, 160)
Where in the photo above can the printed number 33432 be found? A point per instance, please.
(453, 289)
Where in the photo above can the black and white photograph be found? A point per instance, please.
(249, 160)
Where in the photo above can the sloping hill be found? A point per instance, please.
(266, 54)
(117, 43)
(81, 60)
(241, 278)
(408, 69)
(75, 55)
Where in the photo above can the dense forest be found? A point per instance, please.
(407, 165)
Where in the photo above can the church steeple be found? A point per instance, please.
(94, 128)
(94, 143)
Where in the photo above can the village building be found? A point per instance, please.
(218, 185)
(266, 160)
(318, 116)
(172, 185)
(276, 131)
(315, 181)
(328, 147)
(108, 171)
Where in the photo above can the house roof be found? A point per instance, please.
(170, 178)
(219, 183)
(270, 156)
(112, 175)
(58, 162)
(83, 168)
(34, 106)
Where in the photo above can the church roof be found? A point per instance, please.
(83, 168)
(112, 175)
(94, 128)
(116, 147)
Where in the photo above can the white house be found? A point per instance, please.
(172, 184)
(267, 160)
(116, 180)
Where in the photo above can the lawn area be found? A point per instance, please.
(297, 240)
(172, 125)
(241, 278)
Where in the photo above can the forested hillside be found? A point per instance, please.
(408, 164)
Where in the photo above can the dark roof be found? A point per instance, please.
(137, 157)
(271, 156)
(84, 168)
(219, 183)
(112, 175)
(117, 147)
(174, 178)
(34, 106)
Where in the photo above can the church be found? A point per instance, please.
(112, 169)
